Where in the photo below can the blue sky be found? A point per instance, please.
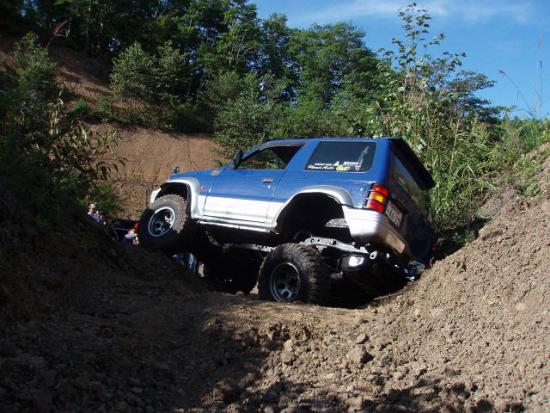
(496, 35)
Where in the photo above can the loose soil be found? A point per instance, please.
(87, 327)
(148, 157)
(472, 334)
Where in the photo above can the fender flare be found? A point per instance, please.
(192, 189)
(339, 195)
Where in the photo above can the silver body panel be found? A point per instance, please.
(371, 226)
(364, 225)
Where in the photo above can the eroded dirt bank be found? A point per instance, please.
(472, 334)
(125, 331)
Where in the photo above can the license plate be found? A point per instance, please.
(394, 214)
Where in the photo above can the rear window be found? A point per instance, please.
(342, 157)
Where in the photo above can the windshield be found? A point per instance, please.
(342, 157)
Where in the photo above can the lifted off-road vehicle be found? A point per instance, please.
(303, 218)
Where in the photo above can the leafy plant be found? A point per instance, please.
(149, 84)
(51, 158)
(79, 109)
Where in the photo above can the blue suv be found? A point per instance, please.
(300, 216)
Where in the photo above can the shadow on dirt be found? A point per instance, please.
(150, 345)
(451, 240)
(237, 366)
(424, 397)
(235, 386)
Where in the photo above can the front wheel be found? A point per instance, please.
(294, 272)
(166, 225)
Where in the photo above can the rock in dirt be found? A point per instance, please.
(359, 355)
(270, 396)
(226, 391)
(361, 338)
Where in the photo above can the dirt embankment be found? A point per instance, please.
(148, 155)
(121, 331)
(471, 335)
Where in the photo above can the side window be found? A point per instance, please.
(276, 157)
(402, 177)
(334, 156)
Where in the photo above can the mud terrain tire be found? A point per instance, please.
(294, 272)
(166, 225)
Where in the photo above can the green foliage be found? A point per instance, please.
(104, 108)
(329, 58)
(51, 159)
(517, 160)
(103, 196)
(36, 75)
(79, 109)
(189, 118)
(132, 78)
(149, 84)
(246, 119)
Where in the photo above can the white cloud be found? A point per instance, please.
(464, 10)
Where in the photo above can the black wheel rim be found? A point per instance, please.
(284, 283)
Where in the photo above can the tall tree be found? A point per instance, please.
(327, 58)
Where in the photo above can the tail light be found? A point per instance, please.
(376, 200)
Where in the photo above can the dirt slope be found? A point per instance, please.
(471, 335)
(124, 331)
(149, 156)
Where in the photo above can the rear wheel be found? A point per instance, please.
(294, 272)
(166, 226)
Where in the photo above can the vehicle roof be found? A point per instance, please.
(421, 174)
(305, 140)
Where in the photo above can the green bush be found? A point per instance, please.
(247, 119)
(79, 109)
(50, 158)
(104, 108)
(33, 86)
(36, 73)
(188, 118)
(148, 84)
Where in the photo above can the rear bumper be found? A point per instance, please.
(371, 226)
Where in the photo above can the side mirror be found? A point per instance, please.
(237, 158)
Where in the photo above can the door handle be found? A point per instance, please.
(267, 180)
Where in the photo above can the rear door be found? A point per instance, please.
(245, 193)
(412, 201)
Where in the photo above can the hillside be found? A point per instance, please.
(148, 155)
(471, 335)
(87, 325)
